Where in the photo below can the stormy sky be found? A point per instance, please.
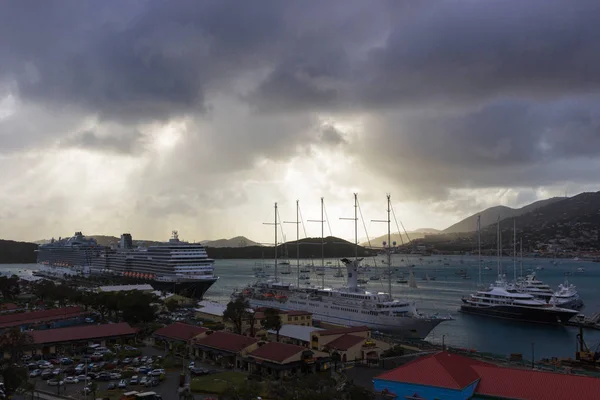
(147, 116)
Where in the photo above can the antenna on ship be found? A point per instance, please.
(322, 221)
(275, 224)
(297, 240)
(389, 244)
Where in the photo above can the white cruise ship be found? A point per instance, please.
(350, 305)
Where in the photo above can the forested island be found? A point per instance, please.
(12, 252)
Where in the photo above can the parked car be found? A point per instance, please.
(71, 379)
(89, 320)
(122, 384)
(126, 361)
(111, 386)
(57, 371)
(144, 380)
(35, 372)
(115, 376)
(198, 371)
(26, 357)
(191, 365)
(157, 372)
(83, 378)
(55, 382)
(79, 368)
(133, 380)
(46, 374)
(130, 348)
(144, 370)
(33, 365)
(152, 382)
(66, 361)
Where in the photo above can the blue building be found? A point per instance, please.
(447, 376)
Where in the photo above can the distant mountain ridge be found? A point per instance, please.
(12, 252)
(490, 215)
(572, 223)
(238, 241)
(412, 235)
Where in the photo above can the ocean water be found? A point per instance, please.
(443, 295)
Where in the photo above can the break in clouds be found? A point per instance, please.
(146, 116)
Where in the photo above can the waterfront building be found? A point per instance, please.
(63, 340)
(449, 376)
(178, 335)
(281, 360)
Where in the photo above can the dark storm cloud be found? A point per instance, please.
(455, 93)
(124, 143)
(507, 143)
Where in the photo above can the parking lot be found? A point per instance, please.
(108, 385)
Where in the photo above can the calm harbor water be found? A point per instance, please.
(443, 295)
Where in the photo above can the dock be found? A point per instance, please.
(581, 321)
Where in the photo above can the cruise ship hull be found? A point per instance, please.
(188, 288)
(546, 315)
(408, 327)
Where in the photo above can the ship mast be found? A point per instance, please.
(275, 225)
(389, 244)
(322, 221)
(498, 245)
(521, 261)
(297, 240)
(479, 245)
(275, 242)
(322, 246)
(352, 267)
(515, 249)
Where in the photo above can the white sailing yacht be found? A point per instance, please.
(348, 305)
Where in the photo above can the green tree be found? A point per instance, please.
(15, 342)
(247, 390)
(172, 305)
(9, 287)
(138, 307)
(272, 321)
(236, 312)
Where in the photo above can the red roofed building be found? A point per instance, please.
(178, 334)
(351, 343)
(51, 341)
(6, 308)
(31, 319)
(450, 376)
(224, 347)
(278, 360)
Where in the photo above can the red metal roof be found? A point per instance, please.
(9, 307)
(180, 331)
(277, 352)
(86, 332)
(341, 331)
(345, 342)
(442, 369)
(54, 314)
(226, 341)
(535, 385)
(453, 371)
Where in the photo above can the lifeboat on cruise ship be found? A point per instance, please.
(281, 297)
